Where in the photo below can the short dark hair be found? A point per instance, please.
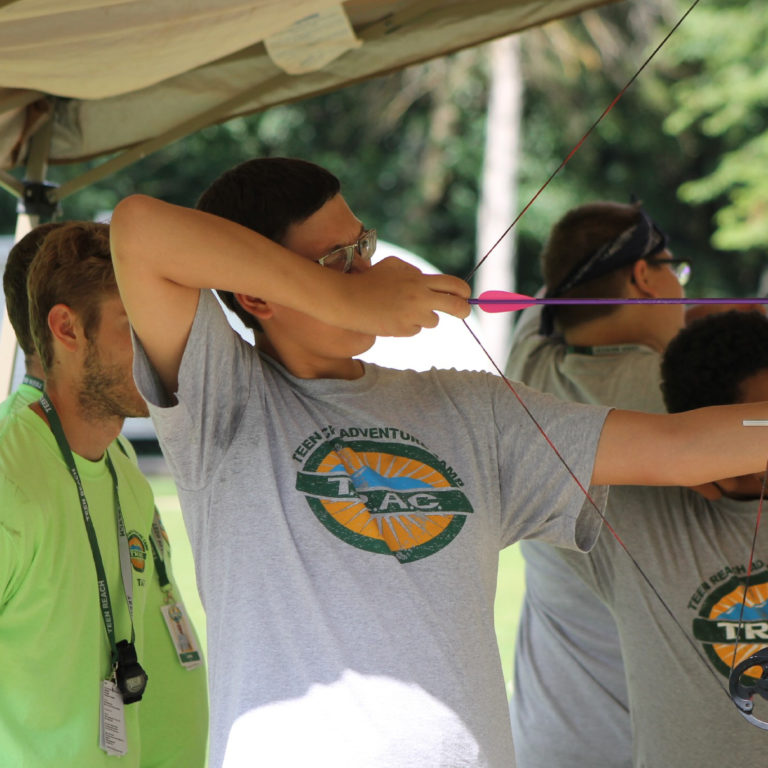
(15, 282)
(707, 362)
(268, 195)
(573, 239)
(73, 266)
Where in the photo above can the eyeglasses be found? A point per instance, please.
(680, 268)
(341, 259)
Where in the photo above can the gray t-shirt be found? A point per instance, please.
(570, 696)
(695, 552)
(346, 538)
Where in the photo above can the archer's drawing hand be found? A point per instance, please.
(393, 298)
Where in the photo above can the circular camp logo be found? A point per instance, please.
(731, 623)
(137, 549)
(391, 498)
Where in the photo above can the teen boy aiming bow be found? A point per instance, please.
(346, 519)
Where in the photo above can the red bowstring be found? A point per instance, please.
(538, 426)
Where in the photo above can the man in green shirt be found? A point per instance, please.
(172, 716)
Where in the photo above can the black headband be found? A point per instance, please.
(643, 240)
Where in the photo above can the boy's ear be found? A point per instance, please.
(254, 306)
(643, 279)
(65, 326)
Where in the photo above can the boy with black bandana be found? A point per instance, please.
(570, 702)
(346, 519)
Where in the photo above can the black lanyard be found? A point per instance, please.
(125, 558)
(33, 381)
(604, 349)
(158, 553)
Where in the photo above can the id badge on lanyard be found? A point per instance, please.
(180, 628)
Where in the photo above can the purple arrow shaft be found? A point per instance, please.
(532, 300)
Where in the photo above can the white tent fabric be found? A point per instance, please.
(86, 78)
(126, 71)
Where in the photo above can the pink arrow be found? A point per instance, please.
(504, 301)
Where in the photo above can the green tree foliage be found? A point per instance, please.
(573, 71)
(721, 96)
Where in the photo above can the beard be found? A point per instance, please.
(108, 391)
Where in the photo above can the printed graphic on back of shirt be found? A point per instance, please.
(388, 495)
(723, 626)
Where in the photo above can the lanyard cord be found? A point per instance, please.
(162, 573)
(125, 559)
(33, 381)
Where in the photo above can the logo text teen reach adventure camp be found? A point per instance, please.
(381, 490)
(729, 622)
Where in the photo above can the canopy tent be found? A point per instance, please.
(82, 79)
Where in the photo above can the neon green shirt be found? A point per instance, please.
(53, 643)
(173, 714)
(173, 718)
(174, 711)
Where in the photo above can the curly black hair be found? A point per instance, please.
(707, 362)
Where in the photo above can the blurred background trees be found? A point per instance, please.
(688, 138)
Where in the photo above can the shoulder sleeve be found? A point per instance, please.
(530, 350)
(527, 324)
(589, 567)
(215, 382)
(650, 521)
(541, 499)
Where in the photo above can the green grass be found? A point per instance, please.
(509, 592)
(510, 586)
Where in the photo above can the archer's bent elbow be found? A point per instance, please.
(129, 228)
